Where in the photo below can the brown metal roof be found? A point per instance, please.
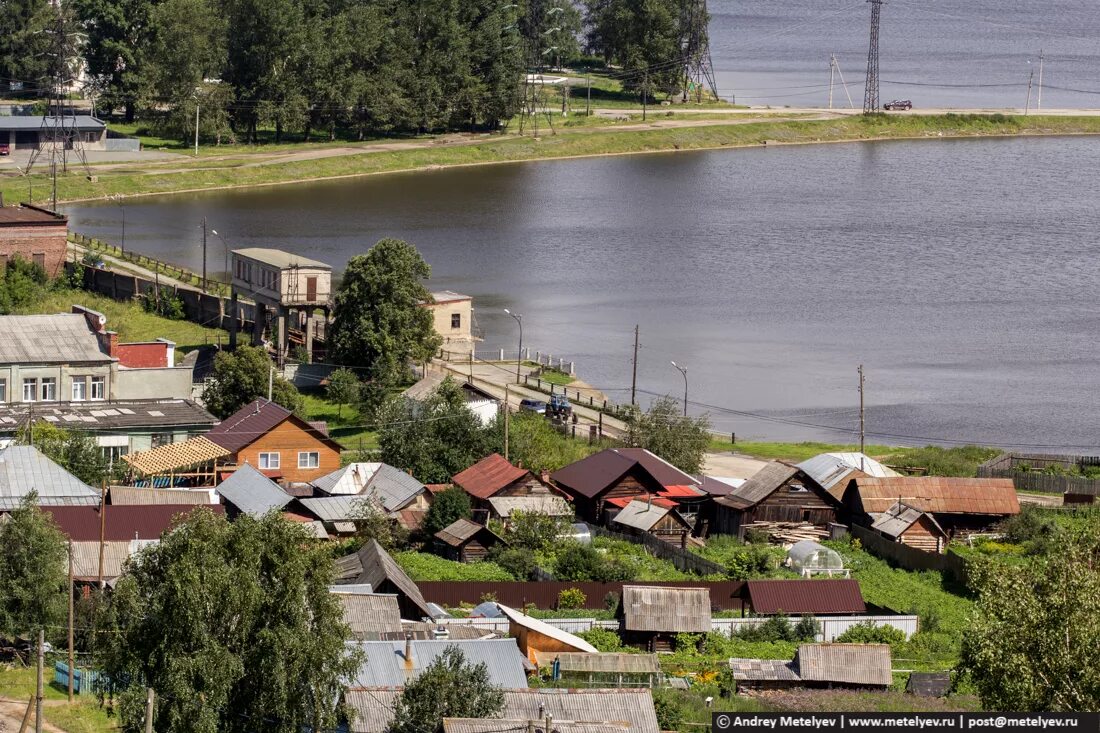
(27, 215)
(247, 424)
(805, 596)
(121, 523)
(939, 494)
(590, 476)
(671, 610)
(853, 664)
(488, 476)
(900, 517)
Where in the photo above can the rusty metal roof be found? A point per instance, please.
(900, 517)
(488, 476)
(853, 664)
(832, 596)
(664, 609)
(939, 494)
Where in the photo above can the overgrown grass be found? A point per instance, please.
(795, 452)
(143, 178)
(553, 376)
(422, 566)
(344, 424)
(851, 701)
(927, 461)
(747, 562)
(84, 716)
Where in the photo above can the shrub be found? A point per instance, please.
(806, 629)
(756, 536)
(605, 640)
(167, 304)
(670, 714)
(752, 562)
(519, 563)
(868, 633)
(688, 642)
(572, 598)
(611, 601)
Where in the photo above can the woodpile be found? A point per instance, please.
(789, 532)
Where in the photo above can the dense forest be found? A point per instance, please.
(328, 68)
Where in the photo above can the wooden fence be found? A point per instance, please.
(911, 558)
(724, 594)
(1027, 472)
(684, 560)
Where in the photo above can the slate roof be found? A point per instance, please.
(61, 338)
(641, 515)
(373, 565)
(461, 531)
(391, 488)
(335, 508)
(172, 456)
(386, 665)
(279, 258)
(549, 504)
(609, 663)
(664, 609)
(138, 496)
(541, 627)
(853, 664)
(115, 555)
(372, 708)
(426, 387)
(763, 670)
(24, 469)
(488, 476)
(760, 486)
(370, 614)
(97, 416)
(252, 493)
(938, 495)
(900, 517)
(825, 596)
(121, 523)
(592, 475)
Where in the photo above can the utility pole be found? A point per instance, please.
(565, 99)
(270, 382)
(149, 697)
(506, 411)
(53, 175)
(832, 68)
(196, 129)
(102, 527)
(203, 229)
(870, 93)
(588, 103)
(645, 91)
(38, 689)
(634, 371)
(862, 435)
(1030, 76)
(72, 672)
(1039, 101)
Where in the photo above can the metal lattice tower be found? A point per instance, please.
(870, 94)
(534, 102)
(695, 47)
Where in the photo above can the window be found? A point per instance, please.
(159, 439)
(3, 390)
(309, 459)
(80, 389)
(47, 389)
(98, 387)
(114, 453)
(30, 390)
(269, 460)
(456, 320)
(39, 258)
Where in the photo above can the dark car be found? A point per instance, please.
(898, 104)
(5, 149)
(533, 406)
(559, 406)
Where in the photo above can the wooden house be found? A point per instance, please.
(651, 616)
(833, 471)
(466, 541)
(625, 474)
(535, 636)
(373, 566)
(495, 478)
(778, 492)
(277, 442)
(960, 506)
(866, 666)
(657, 517)
(910, 526)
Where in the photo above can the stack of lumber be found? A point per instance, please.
(790, 532)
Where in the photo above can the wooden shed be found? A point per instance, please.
(373, 566)
(652, 616)
(778, 492)
(961, 506)
(819, 665)
(657, 517)
(601, 670)
(910, 526)
(535, 636)
(466, 541)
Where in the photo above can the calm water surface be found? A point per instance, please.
(962, 274)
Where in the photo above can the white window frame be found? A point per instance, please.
(33, 384)
(80, 384)
(305, 454)
(271, 465)
(100, 382)
(47, 389)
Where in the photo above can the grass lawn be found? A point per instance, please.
(84, 716)
(929, 460)
(344, 424)
(559, 379)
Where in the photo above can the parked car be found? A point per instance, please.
(533, 406)
(559, 407)
(898, 104)
(5, 149)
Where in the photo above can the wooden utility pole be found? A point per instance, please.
(72, 672)
(38, 689)
(1030, 78)
(645, 91)
(861, 421)
(634, 375)
(506, 411)
(149, 697)
(102, 526)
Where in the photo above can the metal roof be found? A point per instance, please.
(590, 476)
(352, 588)
(121, 523)
(115, 555)
(173, 456)
(372, 708)
(763, 670)
(834, 469)
(133, 495)
(939, 495)
(448, 296)
(253, 493)
(461, 531)
(831, 596)
(541, 627)
(390, 488)
(720, 485)
(370, 614)
(336, 508)
(642, 515)
(426, 387)
(386, 665)
(24, 469)
(601, 663)
(664, 609)
(61, 338)
(490, 725)
(31, 122)
(900, 517)
(248, 424)
(853, 664)
(488, 476)
(633, 707)
(550, 504)
(97, 416)
(279, 258)
(28, 215)
(373, 565)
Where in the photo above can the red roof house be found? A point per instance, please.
(122, 522)
(493, 477)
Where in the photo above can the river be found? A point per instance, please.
(962, 274)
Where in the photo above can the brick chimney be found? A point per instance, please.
(96, 320)
(108, 343)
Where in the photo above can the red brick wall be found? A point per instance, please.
(142, 355)
(48, 241)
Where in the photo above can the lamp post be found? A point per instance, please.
(117, 199)
(683, 371)
(519, 353)
(225, 249)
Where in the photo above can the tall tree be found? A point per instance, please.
(116, 50)
(240, 377)
(1034, 642)
(33, 574)
(641, 36)
(446, 509)
(450, 687)
(24, 43)
(679, 439)
(233, 627)
(78, 453)
(380, 321)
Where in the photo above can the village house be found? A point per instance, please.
(960, 506)
(24, 469)
(373, 566)
(535, 636)
(370, 616)
(650, 617)
(910, 526)
(779, 493)
(833, 471)
(34, 234)
(277, 442)
(483, 404)
(824, 597)
(495, 478)
(616, 476)
(829, 666)
(389, 490)
(466, 541)
(657, 517)
(394, 663)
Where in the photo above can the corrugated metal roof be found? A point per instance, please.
(386, 665)
(122, 523)
(641, 515)
(61, 338)
(631, 706)
(31, 122)
(664, 609)
(86, 559)
(550, 504)
(370, 614)
(541, 627)
(336, 508)
(760, 486)
(174, 456)
(900, 517)
(120, 415)
(462, 530)
(373, 565)
(23, 469)
(763, 670)
(853, 664)
(488, 476)
(833, 469)
(488, 725)
(426, 387)
(825, 596)
(252, 493)
(279, 258)
(372, 708)
(248, 424)
(592, 475)
(600, 663)
(136, 496)
(352, 588)
(390, 488)
(940, 495)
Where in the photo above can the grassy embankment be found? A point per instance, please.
(932, 460)
(166, 178)
(83, 716)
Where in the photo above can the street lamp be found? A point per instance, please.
(225, 248)
(684, 371)
(519, 353)
(117, 199)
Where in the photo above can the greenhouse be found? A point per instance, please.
(810, 558)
